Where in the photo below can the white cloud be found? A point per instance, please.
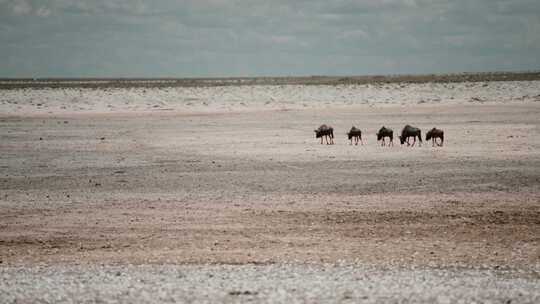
(21, 7)
(218, 37)
(354, 34)
(43, 12)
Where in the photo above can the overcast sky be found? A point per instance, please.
(199, 38)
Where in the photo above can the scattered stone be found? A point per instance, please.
(242, 293)
(273, 283)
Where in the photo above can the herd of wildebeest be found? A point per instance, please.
(355, 134)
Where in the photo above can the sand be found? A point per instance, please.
(137, 186)
(265, 284)
(233, 99)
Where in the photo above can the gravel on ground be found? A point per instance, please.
(277, 283)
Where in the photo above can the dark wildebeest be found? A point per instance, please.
(355, 134)
(433, 134)
(385, 132)
(326, 132)
(409, 131)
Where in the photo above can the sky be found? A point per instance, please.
(228, 38)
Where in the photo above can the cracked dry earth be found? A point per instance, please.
(258, 188)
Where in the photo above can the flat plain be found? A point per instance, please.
(255, 191)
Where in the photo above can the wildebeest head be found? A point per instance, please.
(429, 134)
(402, 139)
(379, 134)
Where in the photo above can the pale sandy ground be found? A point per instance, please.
(211, 99)
(256, 188)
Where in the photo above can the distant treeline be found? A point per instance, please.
(100, 83)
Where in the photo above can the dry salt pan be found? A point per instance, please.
(268, 284)
(241, 98)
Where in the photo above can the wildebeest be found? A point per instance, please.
(385, 132)
(433, 134)
(409, 131)
(326, 132)
(355, 134)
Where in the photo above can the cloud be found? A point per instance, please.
(21, 7)
(25, 8)
(43, 12)
(256, 37)
(354, 34)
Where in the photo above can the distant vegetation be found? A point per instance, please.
(99, 83)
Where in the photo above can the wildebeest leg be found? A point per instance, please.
(322, 140)
(414, 141)
(382, 142)
(433, 142)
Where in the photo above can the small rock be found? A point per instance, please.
(242, 293)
